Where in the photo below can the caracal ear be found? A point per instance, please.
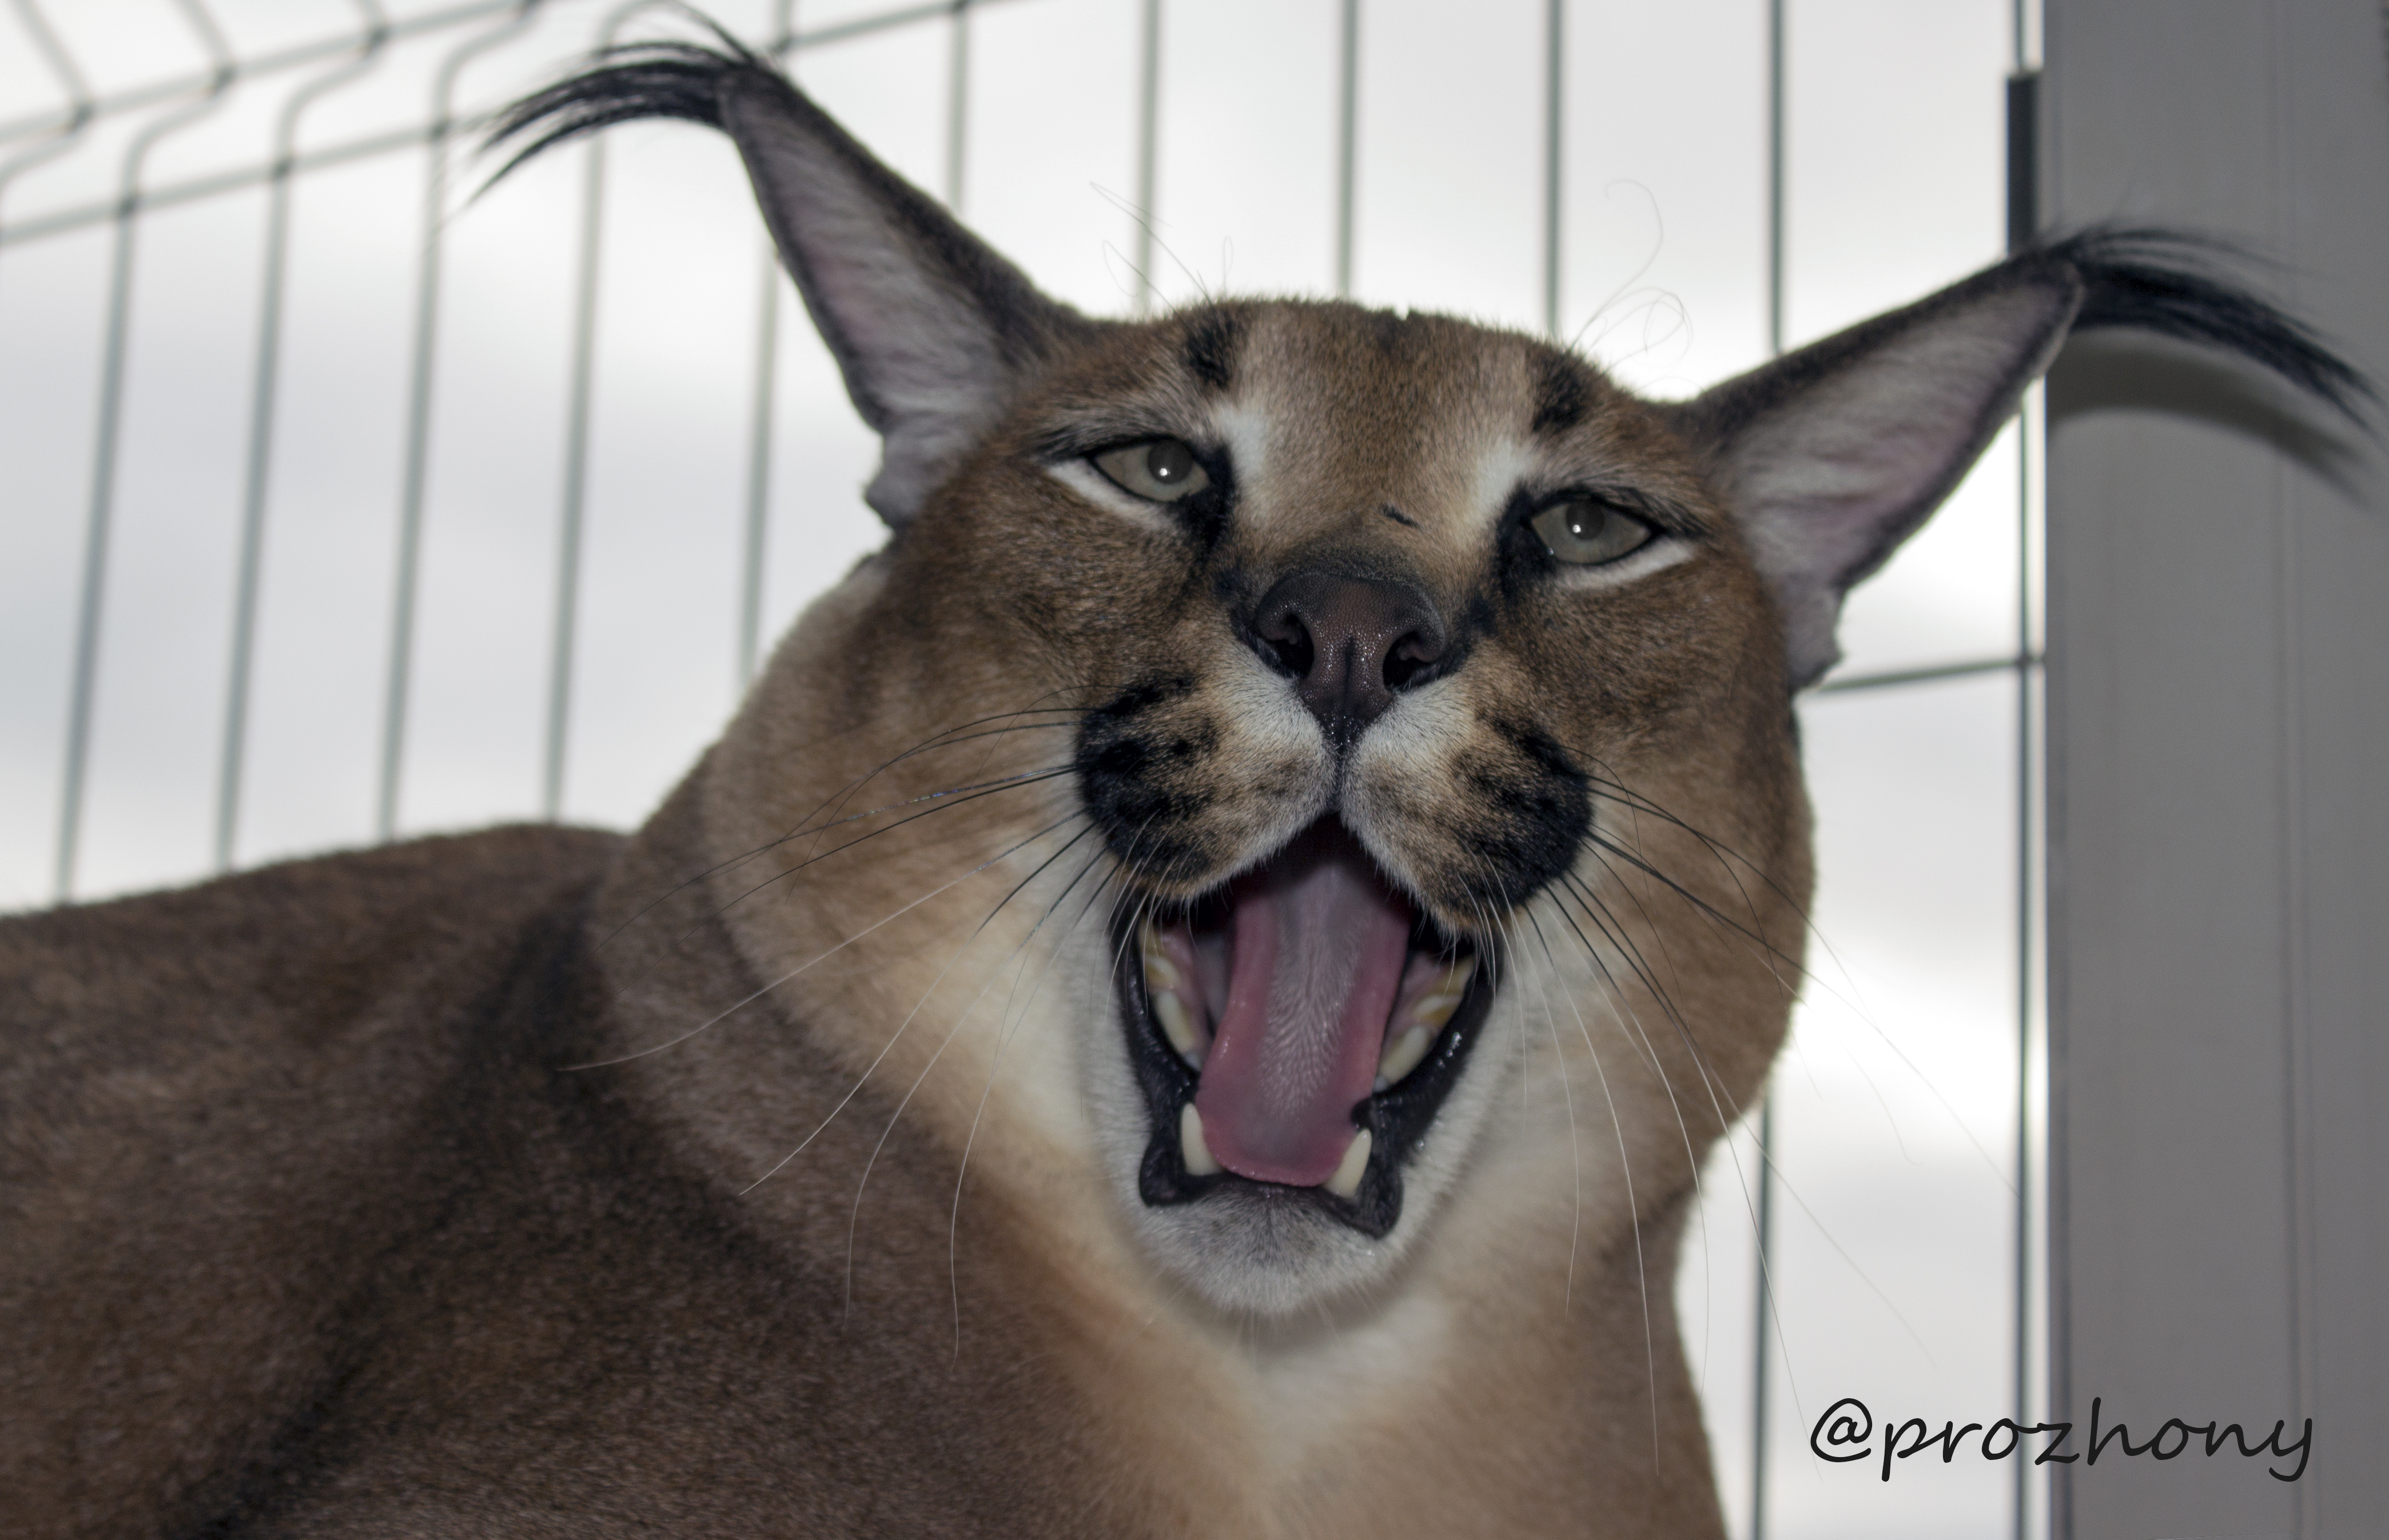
(1831, 455)
(932, 330)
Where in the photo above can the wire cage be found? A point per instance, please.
(346, 504)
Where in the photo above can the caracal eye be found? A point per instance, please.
(1161, 470)
(1586, 532)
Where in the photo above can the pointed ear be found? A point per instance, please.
(1831, 455)
(932, 330)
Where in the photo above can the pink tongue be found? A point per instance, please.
(1318, 953)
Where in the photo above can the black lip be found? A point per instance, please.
(1398, 1118)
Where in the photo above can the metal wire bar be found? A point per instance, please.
(414, 473)
(1764, 1322)
(81, 690)
(1148, 134)
(758, 471)
(263, 404)
(2024, 225)
(758, 443)
(80, 108)
(1347, 129)
(576, 474)
(1555, 72)
(572, 516)
(365, 146)
(2026, 874)
(296, 57)
(300, 55)
(957, 100)
(83, 215)
(1928, 674)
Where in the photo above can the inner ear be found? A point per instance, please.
(1831, 455)
(932, 330)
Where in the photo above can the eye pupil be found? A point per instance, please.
(1586, 531)
(1170, 463)
(1159, 470)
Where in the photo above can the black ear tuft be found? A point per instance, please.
(2172, 284)
(637, 79)
(1831, 455)
(934, 333)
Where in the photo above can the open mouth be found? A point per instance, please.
(1296, 1032)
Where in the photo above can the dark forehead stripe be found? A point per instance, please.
(1561, 396)
(1210, 348)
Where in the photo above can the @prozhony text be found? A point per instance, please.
(1846, 1432)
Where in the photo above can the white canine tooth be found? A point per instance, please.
(1194, 1153)
(1402, 1053)
(1160, 972)
(1179, 1027)
(1433, 1011)
(1345, 1183)
(1457, 978)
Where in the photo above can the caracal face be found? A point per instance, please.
(1404, 690)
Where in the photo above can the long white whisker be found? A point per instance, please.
(939, 740)
(759, 994)
(887, 1047)
(1026, 778)
(1633, 1208)
(961, 1018)
(1567, 1094)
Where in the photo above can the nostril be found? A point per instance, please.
(1410, 661)
(1286, 641)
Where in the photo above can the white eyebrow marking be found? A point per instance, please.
(1499, 467)
(1243, 428)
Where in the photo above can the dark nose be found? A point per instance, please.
(1350, 644)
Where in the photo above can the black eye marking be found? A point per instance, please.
(1562, 399)
(1398, 517)
(1210, 349)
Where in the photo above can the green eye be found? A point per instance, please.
(1585, 533)
(1160, 470)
